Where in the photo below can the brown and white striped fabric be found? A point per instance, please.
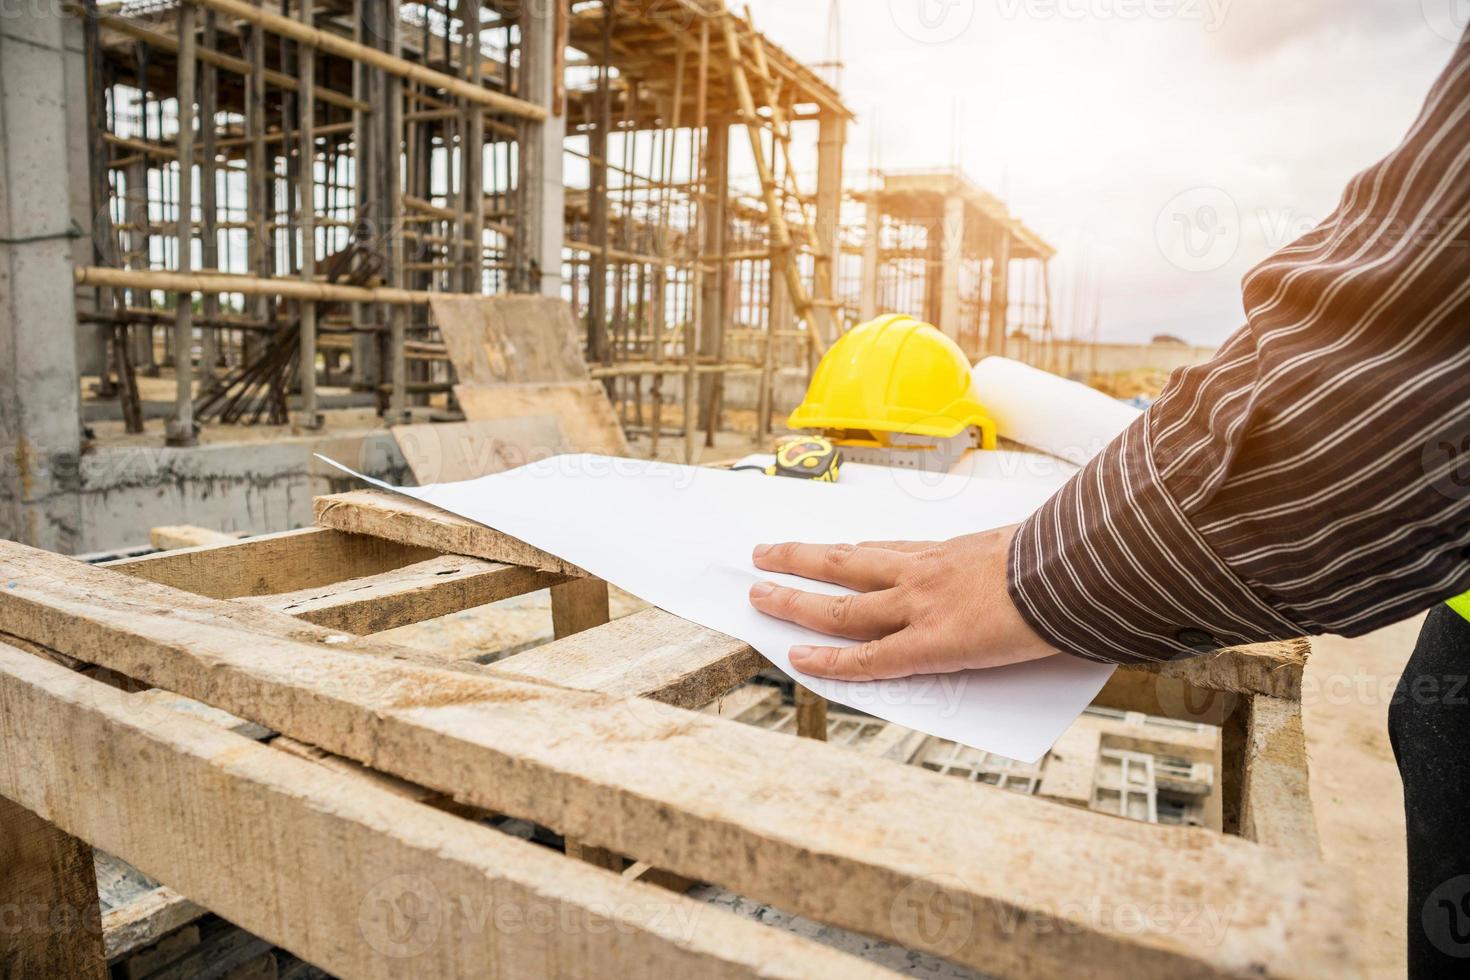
(1315, 475)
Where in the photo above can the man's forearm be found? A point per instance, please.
(1315, 475)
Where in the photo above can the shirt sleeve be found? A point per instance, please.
(1314, 476)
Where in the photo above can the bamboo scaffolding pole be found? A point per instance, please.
(225, 282)
(823, 328)
(390, 63)
(780, 231)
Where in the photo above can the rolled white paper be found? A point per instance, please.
(1049, 413)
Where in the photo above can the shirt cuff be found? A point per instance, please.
(1110, 569)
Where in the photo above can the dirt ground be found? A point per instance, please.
(1354, 782)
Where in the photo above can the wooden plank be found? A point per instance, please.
(510, 339)
(50, 925)
(580, 407)
(650, 653)
(394, 517)
(578, 605)
(447, 452)
(269, 563)
(171, 536)
(811, 713)
(145, 920)
(1275, 807)
(807, 827)
(424, 590)
(1207, 689)
(352, 878)
(1274, 669)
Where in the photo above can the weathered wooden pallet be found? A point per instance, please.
(357, 847)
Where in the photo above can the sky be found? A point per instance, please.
(1163, 146)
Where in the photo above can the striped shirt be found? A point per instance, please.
(1314, 476)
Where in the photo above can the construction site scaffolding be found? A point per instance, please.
(352, 157)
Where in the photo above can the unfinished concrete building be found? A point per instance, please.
(936, 245)
(353, 161)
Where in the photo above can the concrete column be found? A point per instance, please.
(831, 137)
(544, 224)
(40, 390)
(92, 338)
(1000, 277)
(952, 252)
(180, 429)
(868, 304)
(366, 359)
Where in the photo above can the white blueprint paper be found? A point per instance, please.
(680, 537)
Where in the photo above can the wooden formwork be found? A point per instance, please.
(361, 847)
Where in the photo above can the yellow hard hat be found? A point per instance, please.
(894, 374)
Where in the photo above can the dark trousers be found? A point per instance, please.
(1429, 726)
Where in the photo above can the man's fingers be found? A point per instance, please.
(865, 616)
(891, 656)
(906, 546)
(856, 567)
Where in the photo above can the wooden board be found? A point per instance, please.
(650, 653)
(170, 537)
(273, 562)
(394, 517)
(446, 452)
(350, 877)
(51, 925)
(1275, 804)
(510, 339)
(581, 407)
(425, 590)
(1021, 887)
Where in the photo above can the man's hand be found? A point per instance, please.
(923, 607)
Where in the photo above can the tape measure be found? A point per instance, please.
(807, 458)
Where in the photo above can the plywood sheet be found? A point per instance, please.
(582, 409)
(439, 452)
(510, 339)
